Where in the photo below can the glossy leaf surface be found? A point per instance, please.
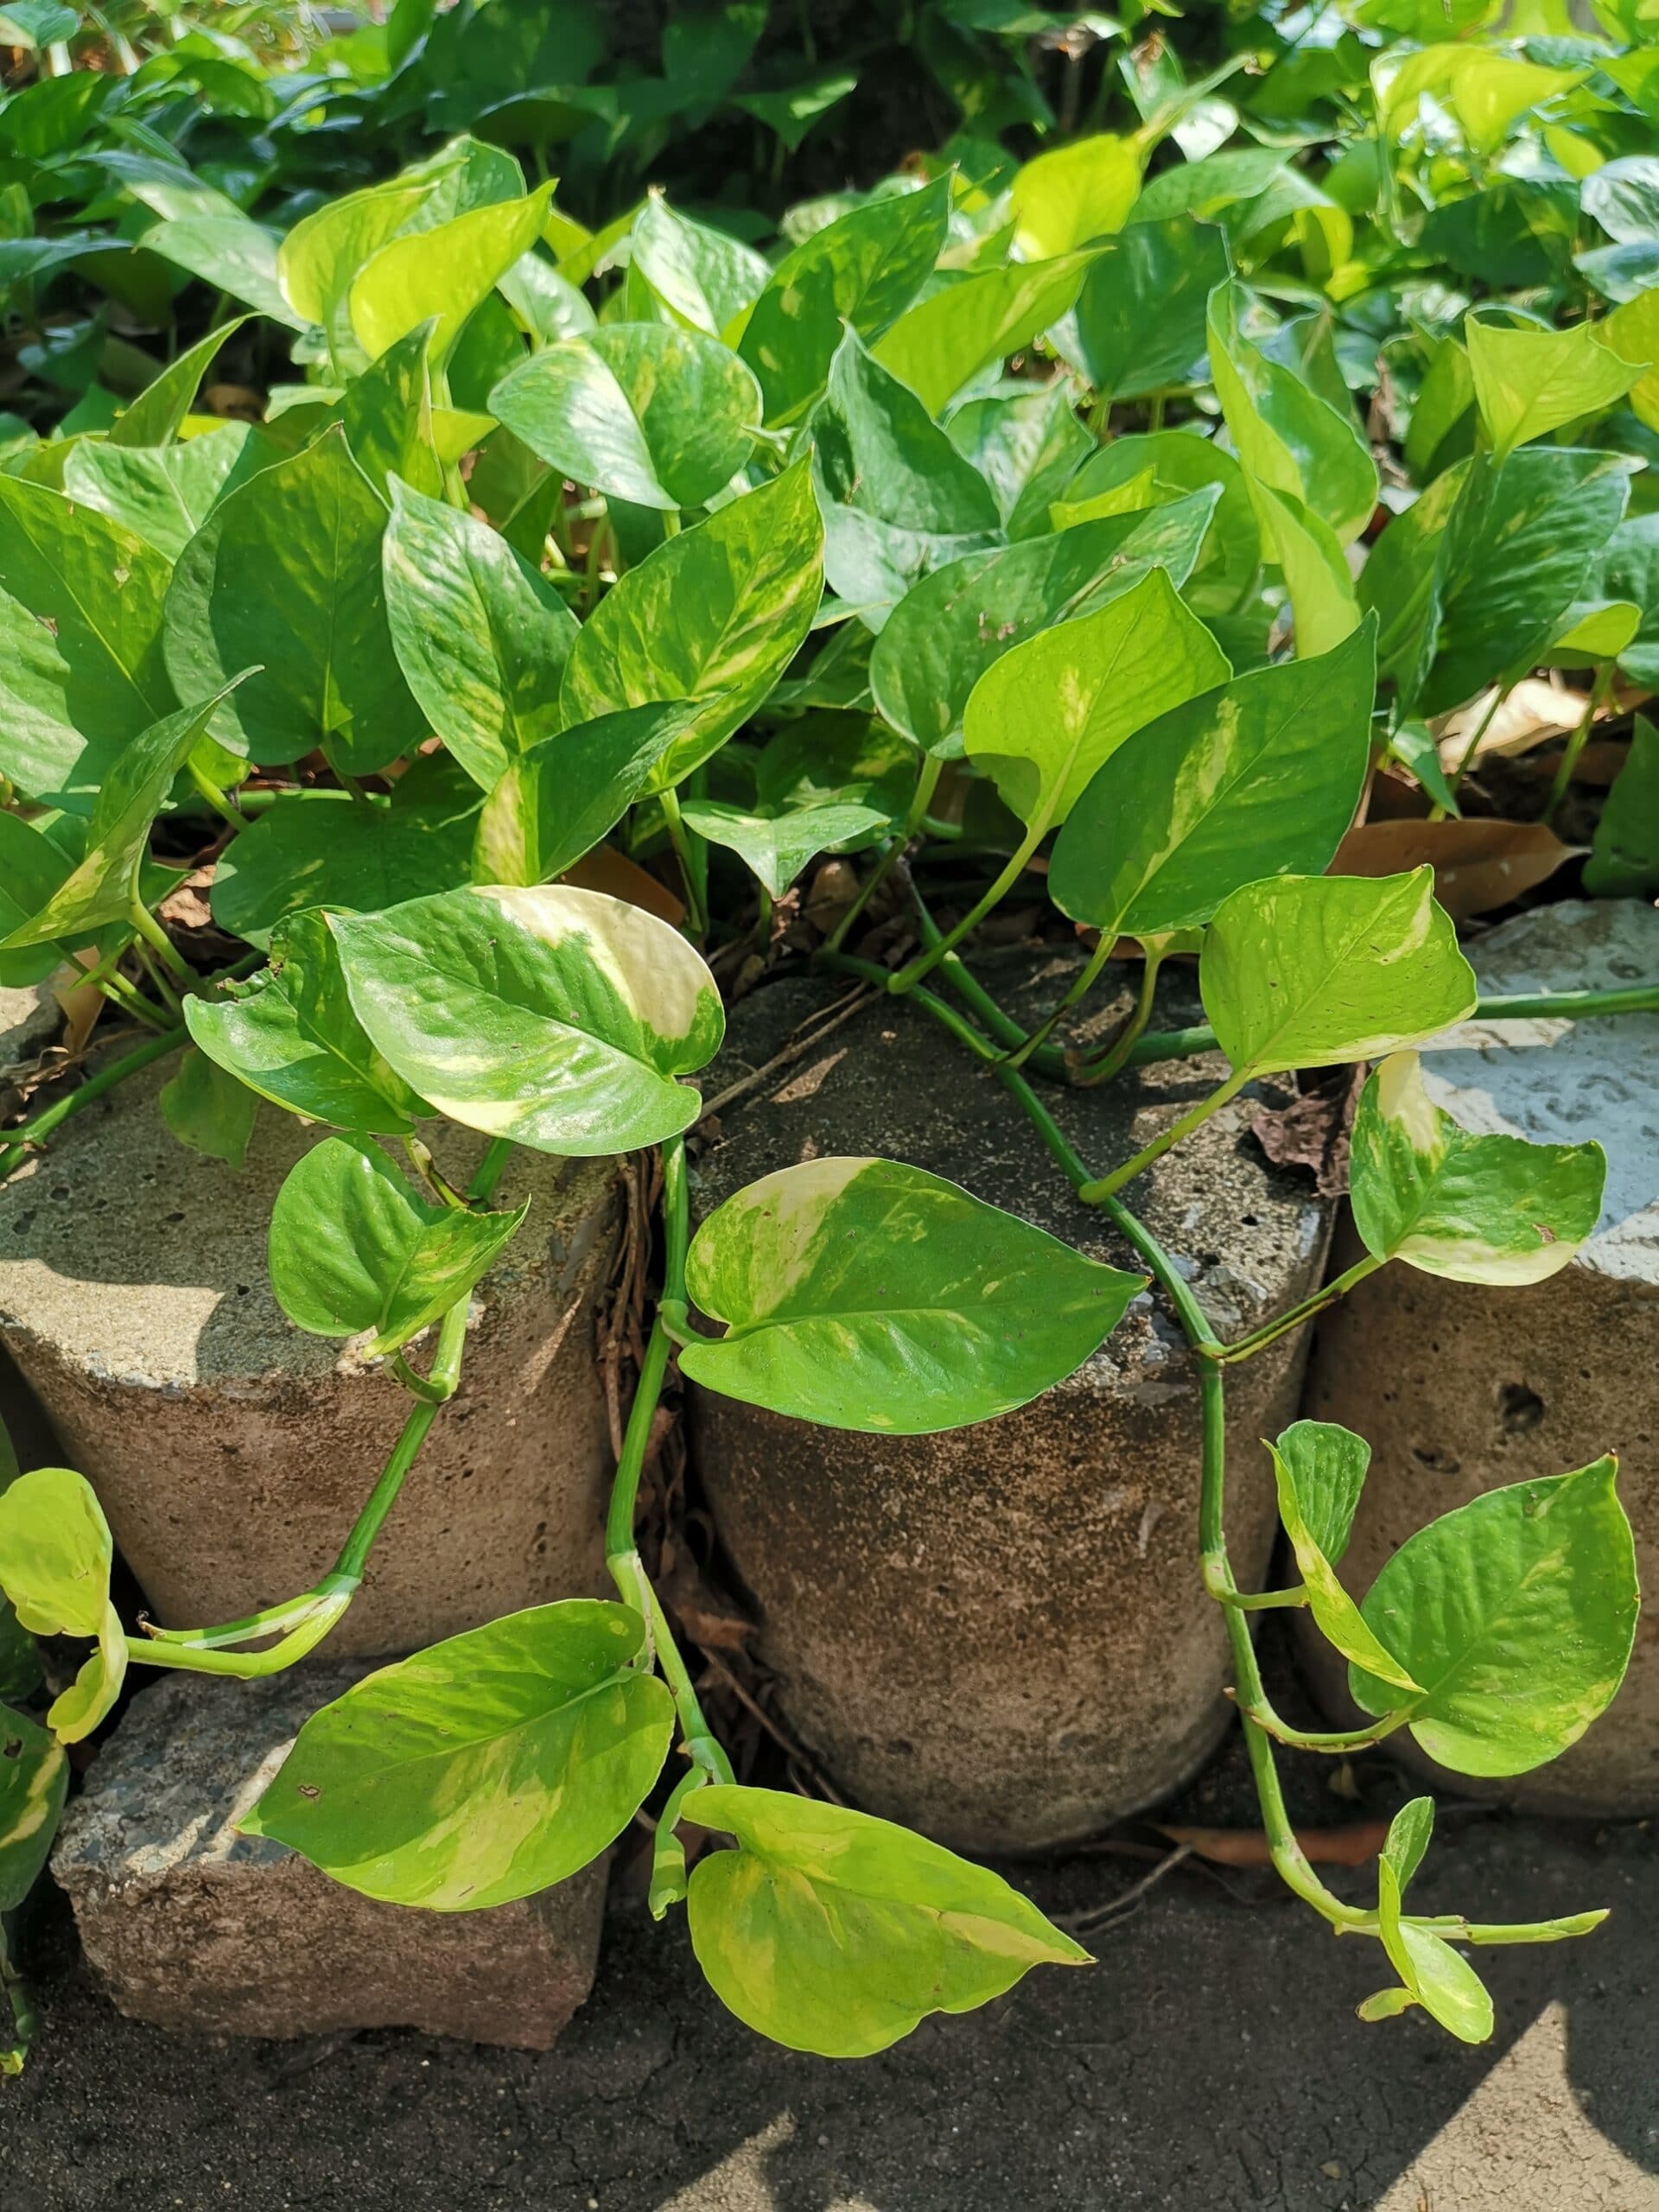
(56, 1555)
(556, 801)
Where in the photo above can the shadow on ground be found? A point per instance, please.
(1210, 2061)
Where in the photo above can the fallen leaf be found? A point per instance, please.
(1344, 1847)
(606, 869)
(1314, 1130)
(1479, 864)
(1537, 709)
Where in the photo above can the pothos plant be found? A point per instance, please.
(536, 558)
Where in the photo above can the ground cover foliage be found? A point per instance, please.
(1158, 497)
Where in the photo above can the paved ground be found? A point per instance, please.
(1209, 2062)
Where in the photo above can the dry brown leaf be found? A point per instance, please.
(1537, 709)
(606, 869)
(1313, 1131)
(1479, 864)
(1344, 1847)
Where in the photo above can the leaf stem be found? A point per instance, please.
(1117, 1055)
(908, 976)
(680, 837)
(926, 780)
(1082, 984)
(157, 938)
(20, 1998)
(1270, 1331)
(1166, 1139)
(219, 801)
(1577, 741)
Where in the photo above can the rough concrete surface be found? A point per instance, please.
(1460, 1388)
(998, 1634)
(1211, 2062)
(231, 1451)
(190, 1924)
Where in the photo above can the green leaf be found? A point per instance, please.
(1487, 92)
(34, 1783)
(1259, 778)
(1518, 1611)
(481, 637)
(1519, 542)
(1139, 321)
(104, 886)
(862, 1294)
(387, 416)
(154, 418)
(1313, 971)
(1624, 861)
(560, 1018)
(1492, 1209)
(323, 252)
(352, 1249)
(953, 626)
(835, 1933)
(232, 254)
(442, 273)
(714, 616)
(862, 271)
(1628, 571)
(555, 802)
(1441, 428)
(1327, 1465)
(42, 752)
(309, 529)
(308, 851)
(1385, 2005)
(897, 497)
(1337, 1618)
(208, 1111)
(164, 493)
(1309, 556)
(1232, 559)
(33, 868)
(494, 1764)
(56, 1558)
(706, 279)
(946, 339)
(1043, 719)
(1528, 383)
(777, 847)
(102, 590)
(1075, 192)
(644, 411)
(1436, 1977)
(1632, 331)
(1286, 436)
(290, 1035)
(1028, 445)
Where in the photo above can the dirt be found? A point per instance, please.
(1209, 2062)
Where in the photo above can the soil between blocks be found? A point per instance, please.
(191, 1925)
(1461, 1387)
(999, 1634)
(231, 1450)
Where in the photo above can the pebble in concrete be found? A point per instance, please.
(191, 1925)
(1460, 1388)
(231, 1451)
(999, 1634)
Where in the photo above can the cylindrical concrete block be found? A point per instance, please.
(999, 1634)
(231, 1451)
(1461, 1389)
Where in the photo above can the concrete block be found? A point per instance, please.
(999, 1634)
(190, 1925)
(1461, 1389)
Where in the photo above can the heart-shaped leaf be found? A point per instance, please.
(1518, 1613)
(497, 1763)
(715, 616)
(1028, 445)
(1473, 1208)
(1075, 192)
(481, 637)
(948, 629)
(560, 1018)
(1435, 1976)
(777, 847)
(208, 1110)
(863, 1294)
(834, 1932)
(1528, 383)
(705, 278)
(34, 1782)
(948, 337)
(1044, 718)
(1231, 557)
(292, 1035)
(1326, 1466)
(56, 1558)
(104, 886)
(1286, 435)
(1140, 323)
(309, 529)
(555, 802)
(643, 411)
(1259, 778)
(860, 272)
(1625, 852)
(443, 274)
(164, 493)
(353, 1249)
(1339, 1617)
(154, 418)
(1312, 971)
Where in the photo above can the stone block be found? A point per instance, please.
(231, 1450)
(999, 1634)
(192, 1926)
(1461, 1389)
